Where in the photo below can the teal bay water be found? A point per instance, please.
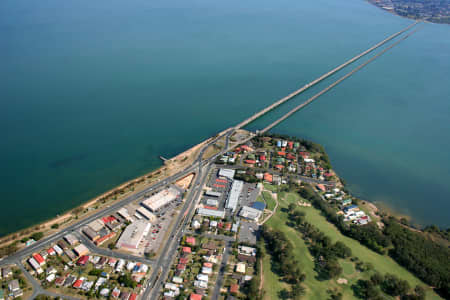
(91, 93)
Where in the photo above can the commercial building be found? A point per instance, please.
(96, 225)
(90, 233)
(71, 239)
(35, 265)
(133, 234)
(228, 173)
(213, 194)
(211, 213)
(123, 212)
(81, 250)
(146, 214)
(212, 202)
(250, 213)
(233, 197)
(160, 199)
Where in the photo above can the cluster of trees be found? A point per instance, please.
(283, 260)
(369, 235)
(325, 252)
(425, 258)
(442, 233)
(246, 177)
(9, 249)
(413, 250)
(127, 281)
(251, 288)
(390, 284)
(35, 236)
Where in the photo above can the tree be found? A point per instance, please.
(127, 281)
(394, 286)
(341, 250)
(37, 236)
(376, 278)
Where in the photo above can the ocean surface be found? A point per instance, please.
(92, 92)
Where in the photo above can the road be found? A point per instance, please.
(37, 289)
(303, 178)
(199, 163)
(222, 269)
(106, 252)
(162, 266)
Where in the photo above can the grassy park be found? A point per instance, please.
(319, 289)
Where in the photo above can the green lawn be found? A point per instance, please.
(270, 202)
(272, 284)
(270, 187)
(317, 289)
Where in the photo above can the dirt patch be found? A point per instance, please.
(185, 181)
(342, 281)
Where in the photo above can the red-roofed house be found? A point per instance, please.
(190, 240)
(279, 167)
(181, 267)
(268, 177)
(115, 293)
(247, 148)
(133, 296)
(262, 158)
(105, 238)
(183, 260)
(39, 258)
(321, 187)
(208, 264)
(250, 161)
(304, 154)
(290, 145)
(195, 297)
(51, 251)
(234, 288)
(187, 250)
(227, 226)
(281, 153)
(108, 219)
(83, 260)
(78, 284)
(290, 156)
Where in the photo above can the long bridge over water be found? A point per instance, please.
(324, 76)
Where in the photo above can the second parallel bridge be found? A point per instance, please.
(319, 79)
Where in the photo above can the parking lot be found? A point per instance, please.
(248, 233)
(157, 233)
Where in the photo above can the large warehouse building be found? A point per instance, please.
(233, 197)
(228, 173)
(164, 197)
(133, 234)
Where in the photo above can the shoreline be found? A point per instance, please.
(168, 167)
(64, 219)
